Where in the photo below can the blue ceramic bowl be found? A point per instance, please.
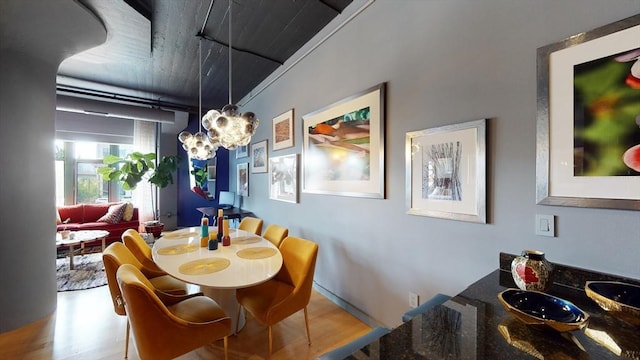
(619, 299)
(537, 308)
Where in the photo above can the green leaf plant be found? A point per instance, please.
(136, 167)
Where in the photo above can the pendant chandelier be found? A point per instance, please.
(199, 145)
(229, 127)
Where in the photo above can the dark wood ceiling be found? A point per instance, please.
(152, 47)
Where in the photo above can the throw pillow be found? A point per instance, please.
(114, 214)
(127, 215)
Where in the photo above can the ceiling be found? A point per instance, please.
(151, 53)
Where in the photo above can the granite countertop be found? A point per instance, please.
(474, 325)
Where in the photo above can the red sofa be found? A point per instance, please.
(85, 217)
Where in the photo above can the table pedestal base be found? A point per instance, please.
(226, 298)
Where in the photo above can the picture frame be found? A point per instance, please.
(259, 158)
(446, 172)
(242, 151)
(242, 179)
(283, 178)
(343, 146)
(563, 177)
(283, 130)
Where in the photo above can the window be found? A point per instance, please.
(77, 179)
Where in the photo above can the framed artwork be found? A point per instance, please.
(446, 172)
(242, 151)
(242, 176)
(283, 131)
(588, 135)
(283, 176)
(259, 157)
(343, 146)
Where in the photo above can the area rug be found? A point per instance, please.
(88, 273)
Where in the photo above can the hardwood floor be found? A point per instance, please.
(85, 326)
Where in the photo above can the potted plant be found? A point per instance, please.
(136, 167)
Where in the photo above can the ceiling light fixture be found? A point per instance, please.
(229, 127)
(199, 145)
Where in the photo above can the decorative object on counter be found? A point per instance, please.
(531, 271)
(619, 299)
(538, 308)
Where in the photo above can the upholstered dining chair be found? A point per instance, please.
(251, 224)
(164, 328)
(116, 255)
(275, 234)
(286, 293)
(139, 248)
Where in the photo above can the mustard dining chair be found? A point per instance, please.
(139, 248)
(286, 293)
(115, 255)
(251, 224)
(275, 234)
(165, 329)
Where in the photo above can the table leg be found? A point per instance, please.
(103, 240)
(226, 298)
(71, 255)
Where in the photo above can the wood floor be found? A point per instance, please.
(85, 326)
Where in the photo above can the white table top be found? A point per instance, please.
(80, 236)
(240, 273)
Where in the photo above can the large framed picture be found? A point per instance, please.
(283, 176)
(588, 130)
(446, 172)
(343, 146)
(259, 157)
(283, 130)
(242, 176)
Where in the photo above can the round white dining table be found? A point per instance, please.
(231, 267)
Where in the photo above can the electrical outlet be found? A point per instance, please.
(413, 300)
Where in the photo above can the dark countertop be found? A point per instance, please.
(474, 325)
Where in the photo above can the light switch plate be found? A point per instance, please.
(545, 225)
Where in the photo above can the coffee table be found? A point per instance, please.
(78, 238)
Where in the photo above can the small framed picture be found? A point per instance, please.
(283, 131)
(242, 151)
(259, 157)
(283, 184)
(242, 176)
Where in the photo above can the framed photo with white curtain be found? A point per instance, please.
(446, 172)
(343, 146)
(283, 176)
(588, 126)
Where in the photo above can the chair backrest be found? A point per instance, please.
(113, 257)
(251, 224)
(139, 248)
(165, 332)
(298, 264)
(275, 234)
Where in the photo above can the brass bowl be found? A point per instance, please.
(540, 309)
(619, 299)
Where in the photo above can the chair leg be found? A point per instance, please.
(306, 324)
(226, 348)
(270, 341)
(126, 342)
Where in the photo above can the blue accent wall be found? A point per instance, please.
(188, 201)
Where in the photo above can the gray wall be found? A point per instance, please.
(34, 38)
(444, 62)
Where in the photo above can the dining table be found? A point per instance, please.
(249, 260)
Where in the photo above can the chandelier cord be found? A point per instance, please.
(200, 82)
(230, 50)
